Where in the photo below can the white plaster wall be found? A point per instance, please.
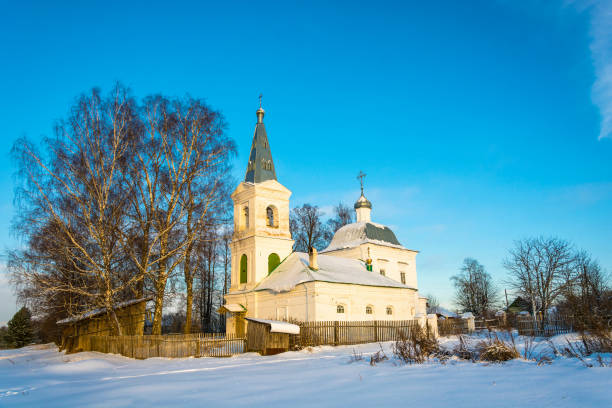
(318, 301)
(259, 240)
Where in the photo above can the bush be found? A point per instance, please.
(417, 347)
(495, 349)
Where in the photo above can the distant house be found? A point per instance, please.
(519, 305)
(131, 316)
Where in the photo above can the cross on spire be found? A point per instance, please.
(260, 96)
(361, 176)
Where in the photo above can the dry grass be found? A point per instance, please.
(378, 356)
(596, 341)
(463, 350)
(357, 356)
(417, 347)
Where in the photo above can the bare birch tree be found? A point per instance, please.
(72, 193)
(474, 288)
(307, 228)
(343, 215)
(537, 267)
(116, 201)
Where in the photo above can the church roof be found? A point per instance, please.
(261, 166)
(357, 233)
(294, 270)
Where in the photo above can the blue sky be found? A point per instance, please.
(477, 122)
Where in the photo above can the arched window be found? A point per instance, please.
(243, 269)
(369, 310)
(273, 262)
(271, 216)
(389, 310)
(340, 309)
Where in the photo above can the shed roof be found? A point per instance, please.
(277, 326)
(97, 312)
(232, 307)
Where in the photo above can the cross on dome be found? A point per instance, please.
(361, 176)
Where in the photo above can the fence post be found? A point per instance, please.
(376, 331)
(336, 329)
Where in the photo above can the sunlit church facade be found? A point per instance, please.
(364, 274)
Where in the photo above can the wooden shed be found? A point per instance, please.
(234, 318)
(269, 337)
(75, 330)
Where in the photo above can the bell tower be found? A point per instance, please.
(262, 238)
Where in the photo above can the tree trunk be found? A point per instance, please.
(189, 308)
(160, 289)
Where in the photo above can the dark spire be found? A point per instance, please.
(261, 166)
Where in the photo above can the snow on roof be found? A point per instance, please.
(278, 326)
(233, 307)
(467, 315)
(442, 311)
(294, 271)
(357, 233)
(100, 311)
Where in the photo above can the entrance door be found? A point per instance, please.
(240, 324)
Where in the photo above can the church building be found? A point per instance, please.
(364, 273)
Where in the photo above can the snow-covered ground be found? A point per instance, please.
(324, 376)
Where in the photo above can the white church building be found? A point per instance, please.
(364, 274)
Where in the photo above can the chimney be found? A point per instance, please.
(312, 259)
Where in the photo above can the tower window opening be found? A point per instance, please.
(271, 216)
(340, 309)
(245, 217)
(369, 310)
(403, 277)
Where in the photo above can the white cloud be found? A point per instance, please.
(600, 13)
(7, 304)
(584, 194)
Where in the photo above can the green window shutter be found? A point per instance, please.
(273, 262)
(243, 269)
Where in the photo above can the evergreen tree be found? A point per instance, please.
(20, 331)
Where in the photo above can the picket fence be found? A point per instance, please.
(337, 333)
(544, 327)
(169, 345)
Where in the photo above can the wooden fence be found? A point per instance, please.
(484, 324)
(449, 327)
(337, 333)
(173, 345)
(544, 327)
